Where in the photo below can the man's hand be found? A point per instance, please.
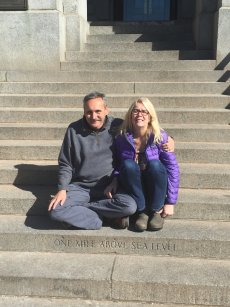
(111, 188)
(168, 210)
(169, 146)
(60, 197)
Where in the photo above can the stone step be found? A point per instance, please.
(171, 27)
(115, 277)
(123, 101)
(181, 133)
(186, 152)
(2, 75)
(160, 88)
(205, 176)
(139, 65)
(200, 152)
(143, 46)
(140, 56)
(25, 301)
(178, 238)
(118, 76)
(182, 88)
(32, 200)
(20, 172)
(203, 204)
(199, 133)
(64, 115)
(140, 37)
(127, 28)
(33, 172)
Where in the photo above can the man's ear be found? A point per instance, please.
(106, 110)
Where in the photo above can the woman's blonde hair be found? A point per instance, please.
(153, 125)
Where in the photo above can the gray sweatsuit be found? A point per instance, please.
(85, 169)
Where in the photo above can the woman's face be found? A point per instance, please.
(140, 116)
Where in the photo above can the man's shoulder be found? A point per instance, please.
(77, 125)
(75, 128)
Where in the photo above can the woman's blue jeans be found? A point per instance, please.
(147, 187)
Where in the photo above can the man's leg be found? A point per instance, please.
(75, 212)
(120, 205)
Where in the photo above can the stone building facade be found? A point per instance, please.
(37, 36)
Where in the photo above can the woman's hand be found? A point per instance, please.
(111, 188)
(169, 146)
(168, 210)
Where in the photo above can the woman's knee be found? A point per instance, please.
(156, 167)
(129, 166)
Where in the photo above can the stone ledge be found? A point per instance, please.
(23, 301)
(192, 204)
(178, 238)
(123, 278)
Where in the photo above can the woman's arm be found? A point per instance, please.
(170, 162)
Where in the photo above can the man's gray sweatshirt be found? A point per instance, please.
(86, 155)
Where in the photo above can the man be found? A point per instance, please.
(87, 190)
(86, 169)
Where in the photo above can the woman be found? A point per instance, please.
(147, 172)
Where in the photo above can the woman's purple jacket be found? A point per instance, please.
(125, 149)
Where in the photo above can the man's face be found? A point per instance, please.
(95, 112)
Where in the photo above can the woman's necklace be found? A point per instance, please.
(140, 143)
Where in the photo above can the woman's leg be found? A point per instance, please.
(130, 179)
(155, 181)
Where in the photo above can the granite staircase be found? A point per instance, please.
(187, 263)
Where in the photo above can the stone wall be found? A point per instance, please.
(38, 38)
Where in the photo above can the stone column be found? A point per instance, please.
(77, 27)
(223, 35)
(204, 24)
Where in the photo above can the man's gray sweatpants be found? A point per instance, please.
(85, 207)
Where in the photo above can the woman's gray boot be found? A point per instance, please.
(156, 222)
(141, 222)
